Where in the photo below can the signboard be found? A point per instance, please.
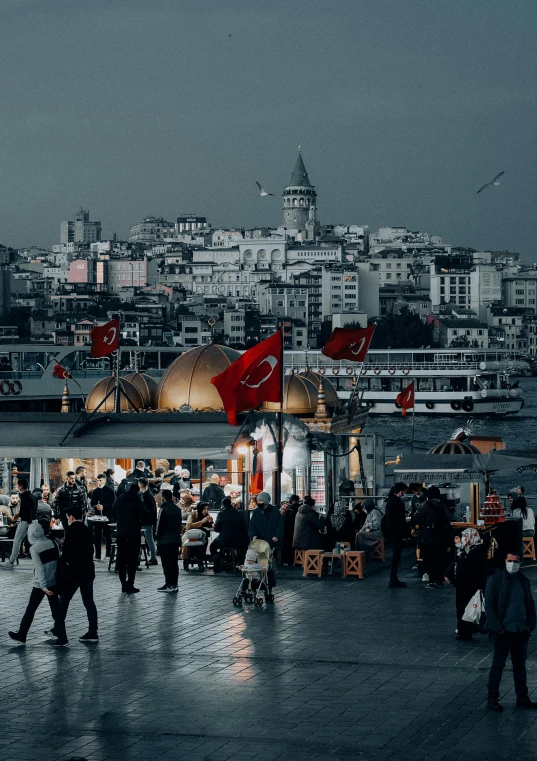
(418, 476)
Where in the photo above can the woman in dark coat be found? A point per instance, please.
(341, 525)
(467, 573)
(308, 527)
(289, 511)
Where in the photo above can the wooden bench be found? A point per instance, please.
(299, 557)
(529, 547)
(313, 562)
(378, 552)
(355, 564)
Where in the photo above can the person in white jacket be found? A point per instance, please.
(520, 510)
(45, 554)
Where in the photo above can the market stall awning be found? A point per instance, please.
(183, 436)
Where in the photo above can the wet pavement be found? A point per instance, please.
(335, 669)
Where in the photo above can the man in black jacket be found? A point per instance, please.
(79, 571)
(70, 495)
(396, 519)
(231, 532)
(81, 480)
(149, 520)
(128, 509)
(27, 513)
(102, 499)
(213, 493)
(510, 610)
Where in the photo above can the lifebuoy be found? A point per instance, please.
(349, 370)
(377, 370)
(321, 371)
(363, 370)
(335, 370)
(5, 387)
(16, 387)
(391, 370)
(429, 405)
(406, 370)
(468, 405)
(455, 405)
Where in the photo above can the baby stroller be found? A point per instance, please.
(194, 542)
(255, 584)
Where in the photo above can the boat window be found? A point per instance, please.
(458, 384)
(442, 384)
(395, 384)
(376, 384)
(363, 384)
(37, 360)
(344, 384)
(425, 384)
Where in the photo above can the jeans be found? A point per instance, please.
(148, 533)
(128, 551)
(20, 534)
(35, 600)
(98, 530)
(397, 543)
(86, 591)
(169, 557)
(517, 644)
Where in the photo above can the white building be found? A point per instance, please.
(485, 287)
(520, 290)
(339, 290)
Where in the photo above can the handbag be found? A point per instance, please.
(475, 609)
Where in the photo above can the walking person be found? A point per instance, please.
(434, 536)
(45, 554)
(510, 610)
(169, 536)
(149, 520)
(69, 495)
(27, 513)
(267, 523)
(128, 509)
(79, 572)
(397, 528)
(102, 500)
(468, 574)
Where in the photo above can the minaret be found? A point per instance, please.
(300, 201)
(66, 404)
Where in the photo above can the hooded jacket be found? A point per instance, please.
(308, 527)
(45, 555)
(129, 509)
(78, 552)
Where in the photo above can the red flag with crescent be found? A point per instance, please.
(60, 371)
(406, 398)
(349, 343)
(254, 378)
(105, 339)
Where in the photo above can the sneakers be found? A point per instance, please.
(425, 577)
(163, 589)
(50, 633)
(9, 566)
(431, 585)
(526, 702)
(89, 638)
(131, 590)
(493, 705)
(397, 584)
(60, 643)
(17, 637)
(153, 561)
(172, 589)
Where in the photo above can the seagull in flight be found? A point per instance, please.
(262, 191)
(493, 182)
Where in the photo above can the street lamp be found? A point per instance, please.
(244, 452)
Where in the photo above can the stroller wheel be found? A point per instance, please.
(239, 600)
(235, 601)
(259, 602)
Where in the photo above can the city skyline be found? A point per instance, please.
(402, 114)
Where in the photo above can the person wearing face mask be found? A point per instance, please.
(510, 610)
(467, 573)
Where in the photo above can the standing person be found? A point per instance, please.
(267, 522)
(43, 512)
(169, 536)
(396, 523)
(371, 532)
(77, 556)
(45, 555)
(141, 471)
(109, 473)
(511, 619)
(27, 513)
(9, 506)
(102, 499)
(467, 573)
(125, 483)
(289, 511)
(82, 482)
(69, 495)
(128, 509)
(231, 531)
(433, 538)
(521, 511)
(149, 520)
(213, 494)
(180, 480)
(309, 526)
(45, 493)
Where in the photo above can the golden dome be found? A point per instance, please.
(188, 378)
(103, 386)
(331, 398)
(299, 396)
(146, 385)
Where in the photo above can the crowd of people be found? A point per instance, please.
(64, 533)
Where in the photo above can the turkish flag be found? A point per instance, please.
(60, 372)
(406, 398)
(105, 339)
(349, 343)
(254, 378)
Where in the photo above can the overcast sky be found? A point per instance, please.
(403, 108)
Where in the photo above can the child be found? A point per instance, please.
(253, 569)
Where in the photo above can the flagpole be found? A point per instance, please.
(413, 418)
(278, 495)
(117, 399)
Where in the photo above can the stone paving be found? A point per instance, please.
(336, 669)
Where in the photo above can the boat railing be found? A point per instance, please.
(371, 366)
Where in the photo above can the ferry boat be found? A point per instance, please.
(448, 382)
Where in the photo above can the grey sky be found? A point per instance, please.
(403, 109)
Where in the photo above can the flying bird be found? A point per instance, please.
(491, 183)
(262, 191)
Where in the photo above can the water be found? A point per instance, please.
(517, 431)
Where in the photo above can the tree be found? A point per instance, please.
(403, 330)
(463, 342)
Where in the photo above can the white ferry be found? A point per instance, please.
(448, 382)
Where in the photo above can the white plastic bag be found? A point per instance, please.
(475, 609)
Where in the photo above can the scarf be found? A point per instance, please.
(470, 538)
(338, 517)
